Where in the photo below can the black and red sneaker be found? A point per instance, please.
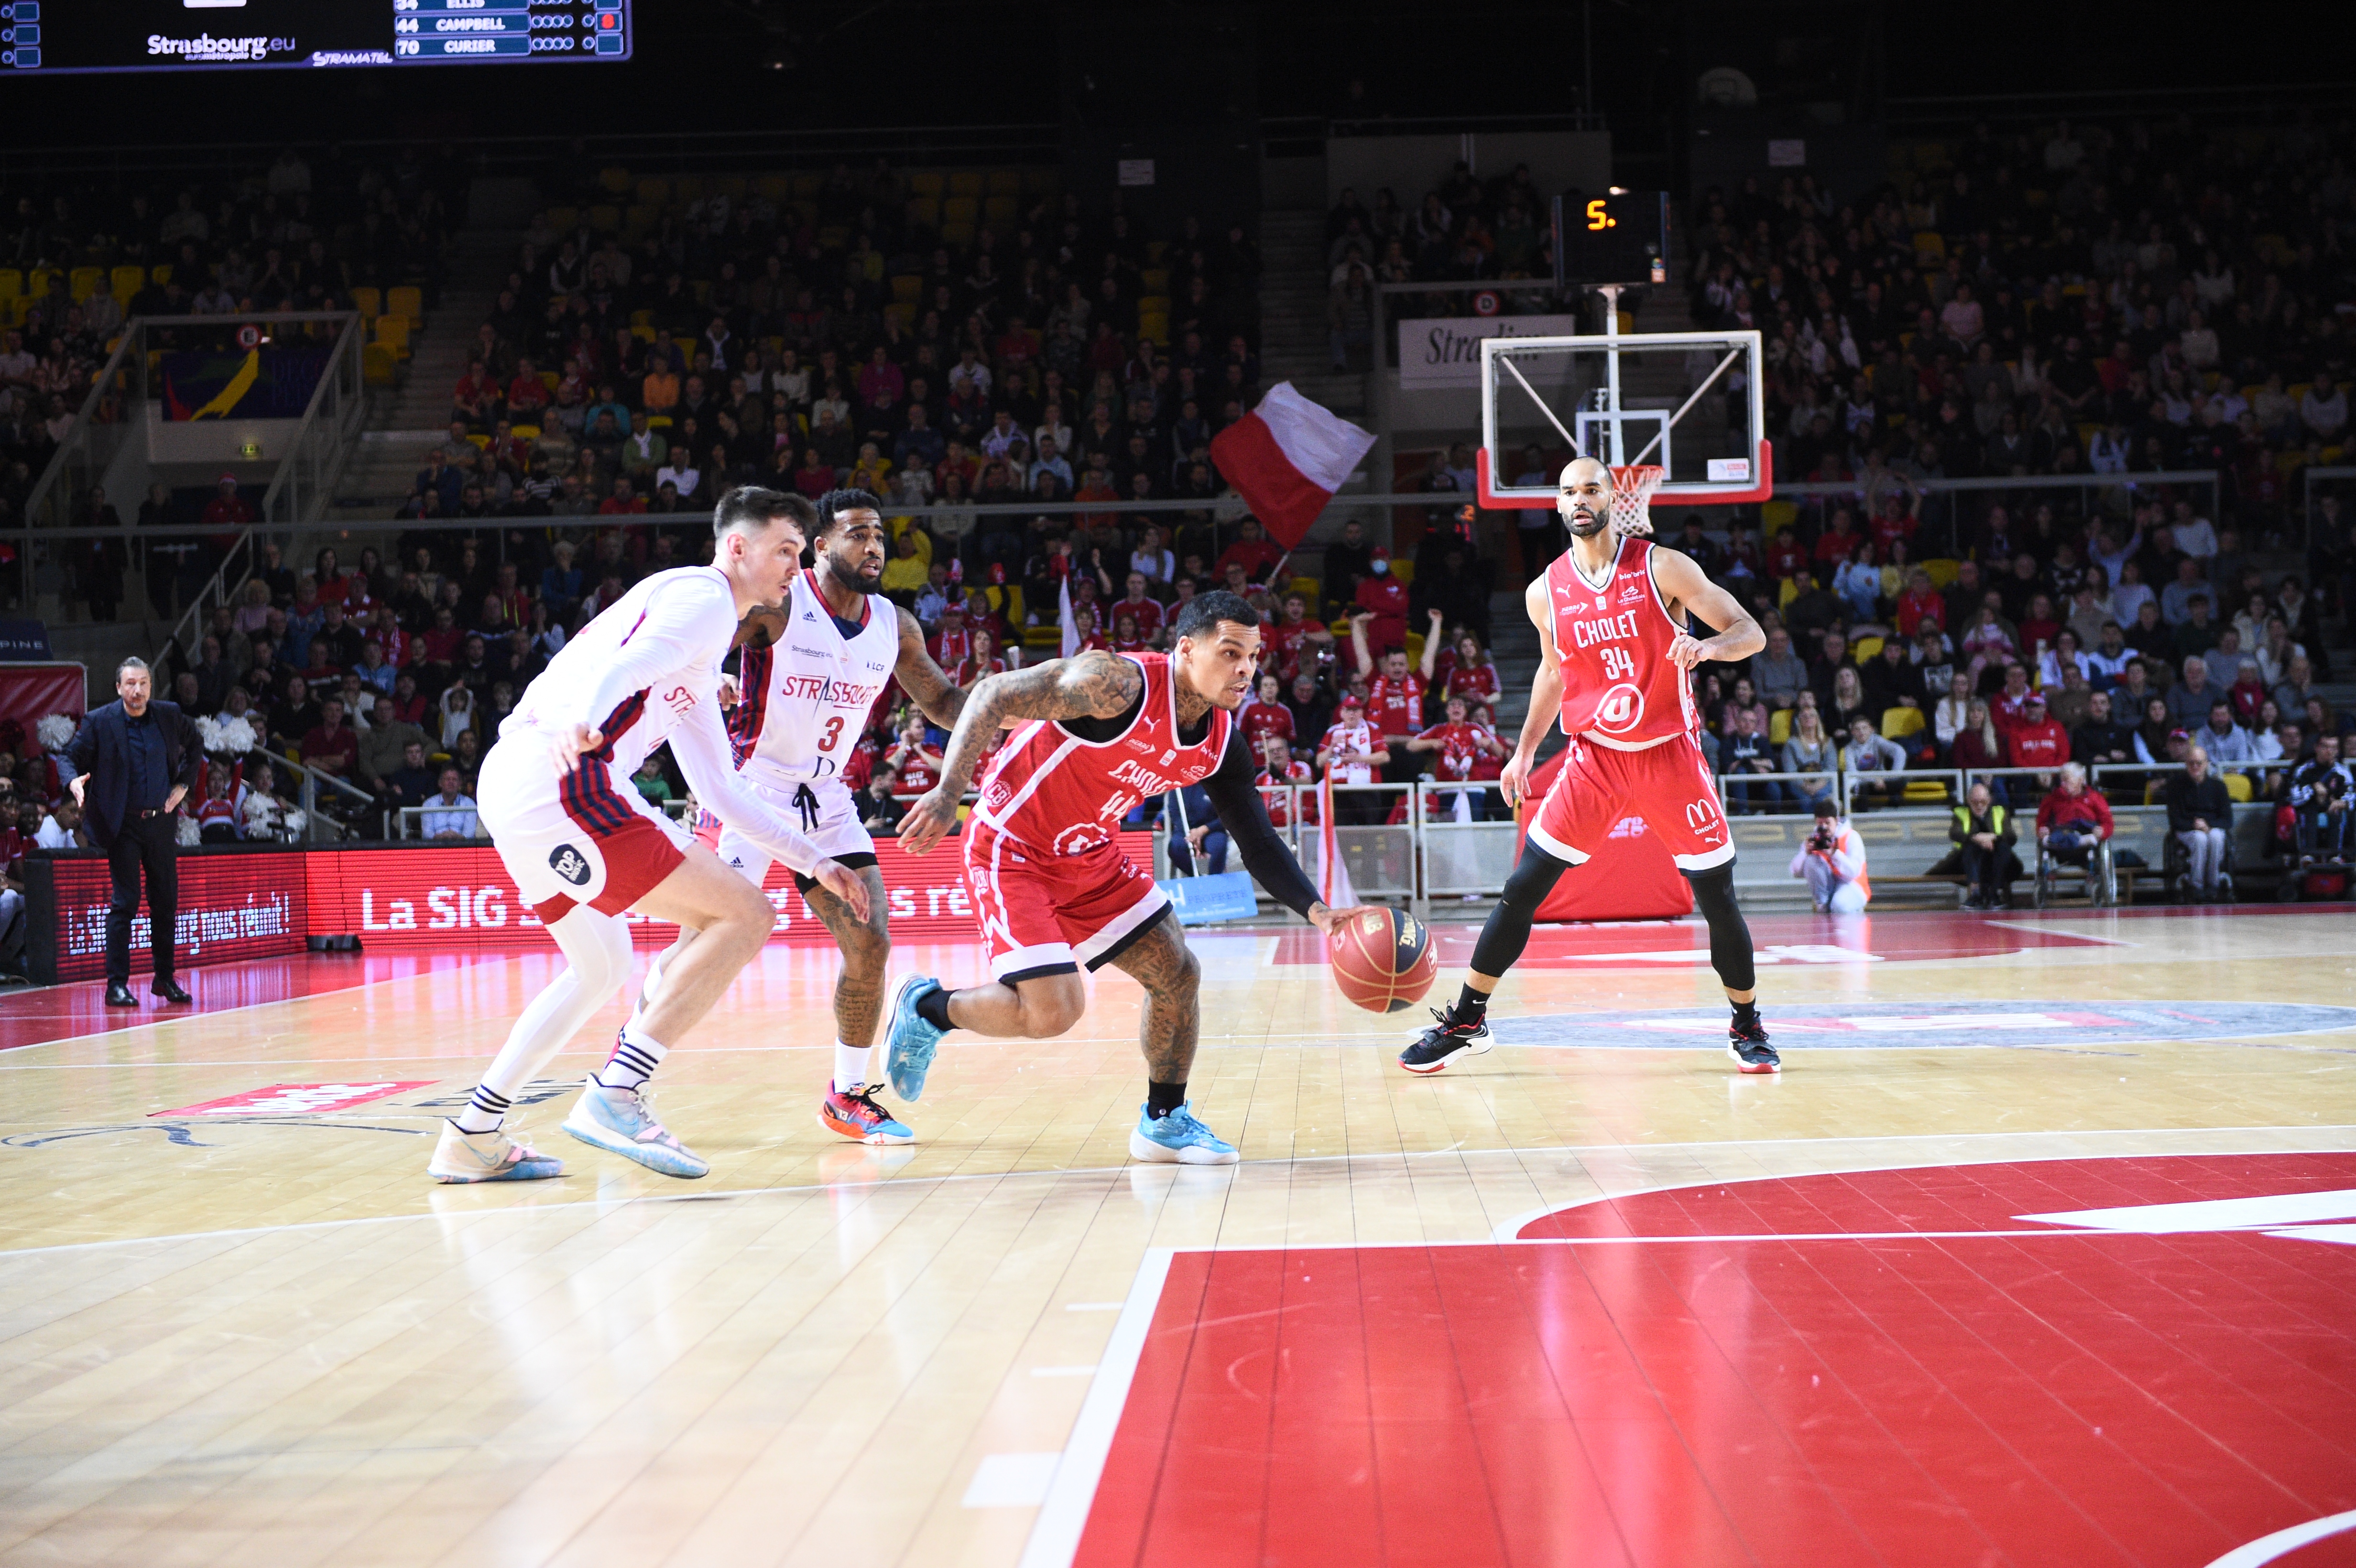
(1747, 1043)
(1444, 1040)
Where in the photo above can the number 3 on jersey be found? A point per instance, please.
(834, 732)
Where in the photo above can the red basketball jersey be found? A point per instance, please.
(1059, 794)
(1619, 685)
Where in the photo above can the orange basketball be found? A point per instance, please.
(1383, 960)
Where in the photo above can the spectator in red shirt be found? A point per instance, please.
(1288, 641)
(527, 394)
(1136, 602)
(1279, 767)
(228, 511)
(1382, 599)
(1471, 675)
(917, 763)
(1394, 699)
(1257, 553)
(475, 399)
(333, 747)
(1920, 600)
(881, 382)
(624, 502)
(2038, 742)
(982, 659)
(1266, 714)
(1459, 744)
(1833, 546)
(2010, 708)
(2073, 820)
(1784, 555)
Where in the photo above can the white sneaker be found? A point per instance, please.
(622, 1121)
(487, 1157)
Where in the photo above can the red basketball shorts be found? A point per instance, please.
(1050, 915)
(1668, 785)
(574, 839)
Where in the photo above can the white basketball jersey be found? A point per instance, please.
(805, 697)
(639, 668)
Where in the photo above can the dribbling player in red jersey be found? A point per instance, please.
(1095, 735)
(1615, 662)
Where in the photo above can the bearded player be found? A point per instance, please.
(1095, 735)
(1615, 663)
(804, 696)
(583, 848)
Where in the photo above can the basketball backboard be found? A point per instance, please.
(1687, 402)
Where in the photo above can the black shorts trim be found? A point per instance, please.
(858, 860)
(1132, 940)
(1040, 973)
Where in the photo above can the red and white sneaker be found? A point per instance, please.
(855, 1114)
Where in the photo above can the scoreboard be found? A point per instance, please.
(66, 36)
(1618, 238)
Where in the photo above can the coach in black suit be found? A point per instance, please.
(135, 760)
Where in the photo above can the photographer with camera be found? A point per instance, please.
(1833, 861)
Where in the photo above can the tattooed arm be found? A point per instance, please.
(924, 680)
(1096, 685)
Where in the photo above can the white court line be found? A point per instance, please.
(808, 1189)
(2283, 1542)
(1055, 1532)
(2051, 930)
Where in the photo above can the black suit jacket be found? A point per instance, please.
(102, 749)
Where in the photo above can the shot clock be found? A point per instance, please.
(1618, 238)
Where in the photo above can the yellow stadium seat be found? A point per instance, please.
(1925, 792)
(162, 274)
(1005, 182)
(659, 421)
(964, 182)
(1414, 649)
(908, 288)
(638, 218)
(1779, 726)
(2237, 786)
(547, 379)
(686, 189)
(379, 362)
(84, 280)
(644, 319)
(901, 315)
(605, 217)
(369, 302)
(961, 209)
(524, 432)
(775, 189)
(957, 233)
(997, 208)
(392, 331)
(1156, 280)
(1155, 248)
(925, 182)
(925, 210)
(1931, 242)
(11, 282)
(653, 190)
(1403, 574)
(1044, 180)
(1773, 515)
(1942, 570)
(406, 300)
(834, 237)
(1866, 648)
(563, 218)
(38, 286)
(1897, 723)
(614, 178)
(123, 282)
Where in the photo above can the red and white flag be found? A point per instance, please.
(1285, 458)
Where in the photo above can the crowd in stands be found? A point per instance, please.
(77, 259)
(1464, 230)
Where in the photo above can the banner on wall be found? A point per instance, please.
(398, 900)
(1445, 351)
(240, 904)
(232, 907)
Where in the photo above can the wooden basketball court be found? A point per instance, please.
(2039, 1251)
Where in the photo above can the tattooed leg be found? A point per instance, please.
(1038, 1009)
(866, 945)
(1173, 1018)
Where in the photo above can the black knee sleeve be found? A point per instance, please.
(1507, 931)
(1729, 934)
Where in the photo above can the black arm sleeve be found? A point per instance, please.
(1235, 794)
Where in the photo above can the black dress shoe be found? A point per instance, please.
(118, 995)
(171, 991)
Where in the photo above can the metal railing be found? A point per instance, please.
(1941, 502)
(408, 821)
(301, 488)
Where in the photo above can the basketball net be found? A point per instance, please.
(1632, 496)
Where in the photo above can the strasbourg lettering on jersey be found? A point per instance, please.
(1058, 795)
(1619, 685)
(806, 696)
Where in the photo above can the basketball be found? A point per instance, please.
(1383, 960)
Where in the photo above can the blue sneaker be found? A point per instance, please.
(855, 1113)
(622, 1121)
(910, 1042)
(1178, 1139)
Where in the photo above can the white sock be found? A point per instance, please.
(635, 1056)
(649, 989)
(850, 1066)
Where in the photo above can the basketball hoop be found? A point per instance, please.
(1632, 495)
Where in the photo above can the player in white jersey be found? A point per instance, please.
(804, 694)
(583, 847)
